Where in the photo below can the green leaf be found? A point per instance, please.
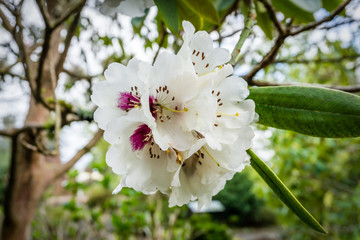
(263, 20)
(330, 5)
(283, 192)
(312, 111)
(205, 8)
(169, 12)
(308, 5)
(187, 13)
(291, 10)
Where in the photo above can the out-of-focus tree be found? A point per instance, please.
(37, 55)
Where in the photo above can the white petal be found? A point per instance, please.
(102, 116)
(233, 89)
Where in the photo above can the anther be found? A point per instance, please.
(194, 52)
(218, 94)
(203, 56)
(216, 125)
(212, 92)
(207, 65)
(173, 98)
(200, 162)
(197, 54)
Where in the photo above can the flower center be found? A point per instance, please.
(141, 136)
(128, 101)
(164, 100)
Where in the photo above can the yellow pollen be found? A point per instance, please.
(221, 66)
(237, 114)
(168, 151)
(135, 106)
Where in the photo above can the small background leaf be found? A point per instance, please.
(205, 8)
(308, 5)
(291, 10)
(169, 12)
(283, 192)
(312, 111)
(263, 20)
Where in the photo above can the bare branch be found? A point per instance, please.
(326, 19)
(44, 12)
(321, 60)
(16, 131)
(68, 165)
(69, 36)
(162, 40)
(5, 22)
(272, 14)
(349, 89)
(267, 60)
(75, 8)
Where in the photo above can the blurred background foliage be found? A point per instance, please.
(324, 174)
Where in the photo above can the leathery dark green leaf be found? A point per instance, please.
(279, 188)
(313, 111)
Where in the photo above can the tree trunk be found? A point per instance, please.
(30, 175)
(31, 172)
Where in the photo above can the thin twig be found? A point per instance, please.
(249, 22)
(162, 41)
(321, 60)
(67, 43)
(75, 8)
(68, 165)
(313, 25)
(272, 14)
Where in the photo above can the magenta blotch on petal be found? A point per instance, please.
(126, 101)
(140, 137)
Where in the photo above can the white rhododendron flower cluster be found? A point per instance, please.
(180, 126)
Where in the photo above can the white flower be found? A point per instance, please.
(205, 173)
(135, 156)
(121, 91)
(131, 8)
(180, 126)
(203, 55)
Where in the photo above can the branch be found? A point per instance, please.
(162, 40)
(349, 89)
(75, 8)
(5, 22)
(249, 22)
(16, 131)
(272, 14)
(313, 25)
(267, 60)
(328, 60)
(69, 36)
(68, 165)
(44, 12)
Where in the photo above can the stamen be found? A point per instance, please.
(211, 156)
(180, 158)
(227, 114)
(175, 110)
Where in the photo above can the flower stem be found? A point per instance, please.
(249, 22)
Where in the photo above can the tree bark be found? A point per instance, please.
(30, 175)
